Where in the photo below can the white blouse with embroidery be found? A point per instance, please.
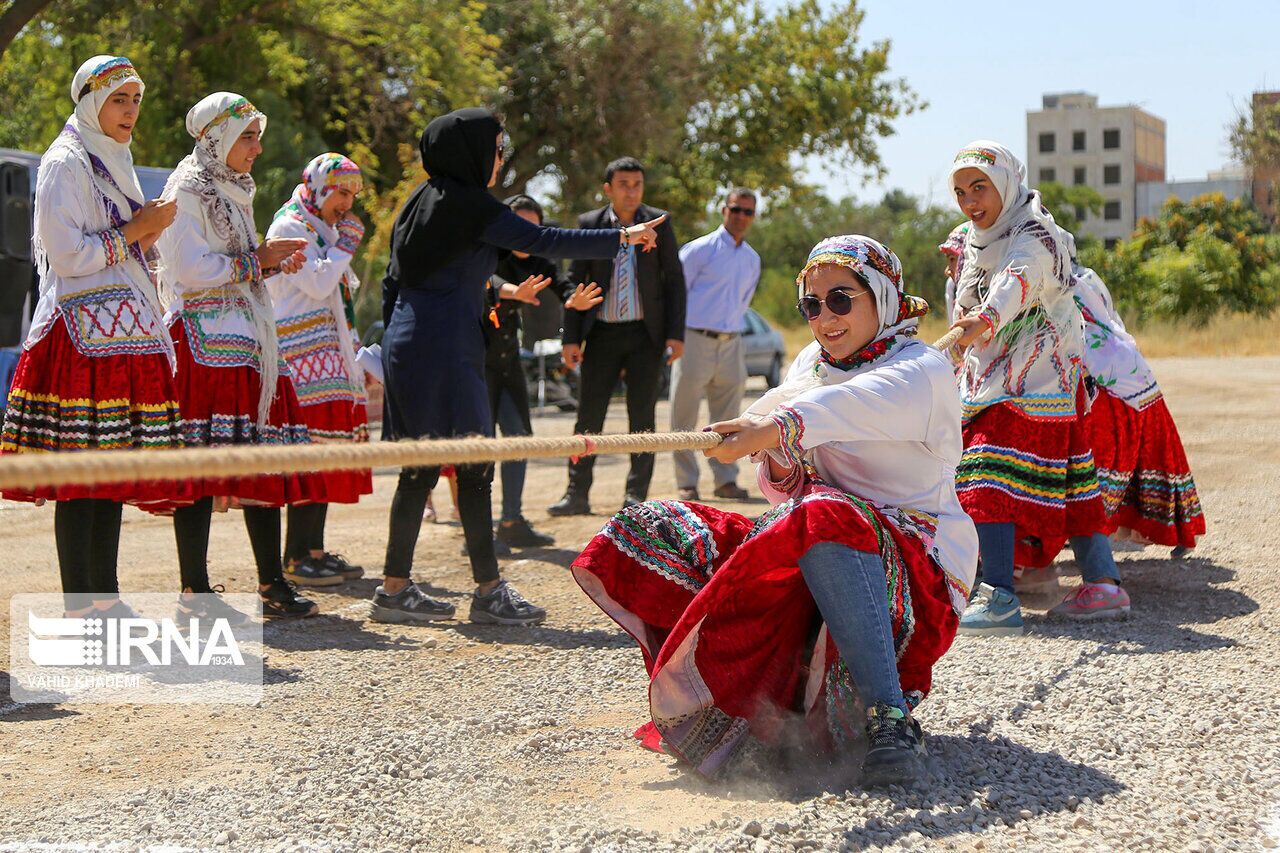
(82, 259)
(889, 433)
(1110, 353)
(315, 337)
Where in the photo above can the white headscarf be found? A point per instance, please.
(985, 247)
(899, 313)
(205, 186)
(83, 139)
(96, 80)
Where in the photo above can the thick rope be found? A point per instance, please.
(95, 467)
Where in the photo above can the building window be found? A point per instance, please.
(1111, 211)
(1047, 176)
(1080, 214)
(1046, 143)
(1111, 174)
(1111, 138)
(1110, 243)
(1077, 140)
(1078, 176)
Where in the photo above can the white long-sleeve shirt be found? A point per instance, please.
(315, 339)
(888, 433)
(1110, 353)
(84, 279)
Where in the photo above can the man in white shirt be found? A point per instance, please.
(721, 272)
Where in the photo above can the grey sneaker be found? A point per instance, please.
(410, 604)
(505, 606)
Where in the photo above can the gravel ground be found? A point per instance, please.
(1159, 733)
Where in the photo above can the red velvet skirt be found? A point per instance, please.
(63, 401)
(340, 421)
(219, 409)
(1143, 473)
(732, 640)
(1038, 474)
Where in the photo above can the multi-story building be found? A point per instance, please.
(1232, 183)
(1073, 141)
(1265, 178)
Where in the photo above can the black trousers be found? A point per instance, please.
(191, 531)
(87, 533)
(304, 531)
(475, 483)
(612, 348)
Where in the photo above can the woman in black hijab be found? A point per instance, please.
(444, 247)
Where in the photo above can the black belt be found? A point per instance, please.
(719, 336)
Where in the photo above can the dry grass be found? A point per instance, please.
(1225, 336)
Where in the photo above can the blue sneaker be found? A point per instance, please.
(992, 613)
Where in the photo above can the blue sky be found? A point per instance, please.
(982, 66)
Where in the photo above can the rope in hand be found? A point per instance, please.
(94, 467)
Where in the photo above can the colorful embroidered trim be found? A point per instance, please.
(107, 320)
(47, 422)
(790, 434)
(225, 429)
(219, 348)
(310, 345)
(110, 73)
(668, 538)
(1040, 480)
(983, 155)
(114, 245)
(239, 108)
(245, 267)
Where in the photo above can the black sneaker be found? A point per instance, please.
(208, 606)
(339, 564)
(281, 600)
(504, 606)
(309, 572)
(410, 604)
(628, 501)
(570, 504)
(520, 534)
(895, 748)
(500, 549)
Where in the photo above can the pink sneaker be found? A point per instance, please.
(1093, 601)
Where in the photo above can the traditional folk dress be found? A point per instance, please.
(1027, 456)
(232, 385)
(96, 372)
(1142, 469)
(731, 637)
(953, 247)
(315, 319)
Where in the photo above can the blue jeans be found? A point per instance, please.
(510, 422)
(851, 592)
(995, 544)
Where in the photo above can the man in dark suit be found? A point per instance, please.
(638, 328)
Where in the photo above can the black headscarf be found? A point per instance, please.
(447, 214)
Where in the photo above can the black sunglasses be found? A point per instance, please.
(840, 302)
(744, 211)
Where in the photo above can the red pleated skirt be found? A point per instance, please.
(732, 640)
(1038, 474)
(1143, 473)
(219, 409)
(340, 421)
(63, 401)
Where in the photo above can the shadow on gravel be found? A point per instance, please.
(1168, 597)
(28, 712)
(974, 781)
(331, 631)
(553, 638)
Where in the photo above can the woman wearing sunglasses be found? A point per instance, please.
(856, 576)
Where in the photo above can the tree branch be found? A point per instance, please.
(15, 17)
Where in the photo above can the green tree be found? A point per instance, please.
(708, 92)
(1196, 259)
(330, 76)
(1068, 204)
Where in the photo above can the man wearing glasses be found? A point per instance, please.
(721, 272)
